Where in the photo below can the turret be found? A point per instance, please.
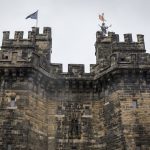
(103, 46)
(40, 43)
(106, 45)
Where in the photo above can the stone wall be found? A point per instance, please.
(44, 108)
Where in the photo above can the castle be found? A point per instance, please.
(44, 108)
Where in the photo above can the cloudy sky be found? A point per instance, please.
(75, 22)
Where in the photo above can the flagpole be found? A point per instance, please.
(37, 19)
(36, 22)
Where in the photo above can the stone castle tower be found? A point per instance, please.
(43, 108)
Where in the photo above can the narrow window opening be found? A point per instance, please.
(87, 110)
(4, 56)
(13, 102)
(74, 147)
(122, 59)
(138, 147)
(9, 147)
(74, 128)
(134, 104)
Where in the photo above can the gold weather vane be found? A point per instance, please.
(101, 17)
(103, 27)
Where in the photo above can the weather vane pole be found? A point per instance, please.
(103, 27)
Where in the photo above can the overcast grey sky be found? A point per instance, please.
(75, 22)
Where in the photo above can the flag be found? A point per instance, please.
(33, 15)
(101, 17)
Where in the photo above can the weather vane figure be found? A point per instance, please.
(103, 27)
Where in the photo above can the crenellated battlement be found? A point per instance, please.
(74, 70)
(37, 47)
(40, 43)
(106, 45)
(129, 45)
(112, 38)
(18, 35)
